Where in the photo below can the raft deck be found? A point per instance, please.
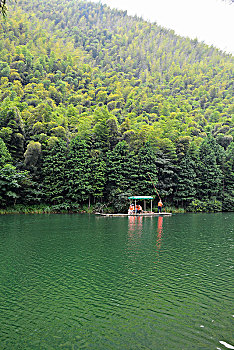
(142, 214)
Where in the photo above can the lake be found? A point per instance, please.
(91, 282)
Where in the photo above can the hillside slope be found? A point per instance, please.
(77, 71)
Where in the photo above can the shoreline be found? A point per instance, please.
(46, 209)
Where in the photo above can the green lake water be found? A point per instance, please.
(88, 282)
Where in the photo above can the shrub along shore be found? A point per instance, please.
(46, 209)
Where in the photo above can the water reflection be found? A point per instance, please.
(134, 225)
(160, 232)
(135, 228)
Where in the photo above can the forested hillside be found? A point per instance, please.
(91, 100)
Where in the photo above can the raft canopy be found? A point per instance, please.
(141, 197)
(136, 198)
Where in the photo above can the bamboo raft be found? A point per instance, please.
(142, 214)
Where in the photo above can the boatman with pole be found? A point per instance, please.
(160, 204)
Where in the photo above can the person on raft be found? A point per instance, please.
(138, 209)
(131, 209)
(160, 206)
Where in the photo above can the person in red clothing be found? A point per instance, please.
(138, 209)
(131, 209)
(160, 206)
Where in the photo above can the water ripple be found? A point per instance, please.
(80, 282)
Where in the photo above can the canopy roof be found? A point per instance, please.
(141, 197)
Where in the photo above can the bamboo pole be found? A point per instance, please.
(154, 187)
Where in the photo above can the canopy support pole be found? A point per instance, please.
(151, 205)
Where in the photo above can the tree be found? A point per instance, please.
(97, 176)
(53, 173)
(32, 156)
(15, 186)
(4, 69)
(13, 131)
(228, 183)
(112, 127)
(166, 175)
(208, 171)
(101, 128)
(5, 156)
(143, 168)
(118, 174)
(3, 7)
(78, 172)
(185, 190)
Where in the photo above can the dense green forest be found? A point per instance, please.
(91, 100)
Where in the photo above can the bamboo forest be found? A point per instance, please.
(94, 103)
